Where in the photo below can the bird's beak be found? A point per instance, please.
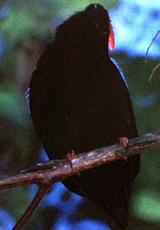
(111, 37)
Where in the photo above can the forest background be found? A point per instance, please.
(26, 29)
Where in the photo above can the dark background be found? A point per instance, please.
(26, 28)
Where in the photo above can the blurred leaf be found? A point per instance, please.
(26, 20)
(149, 206)
(18, 141)
(31, 19)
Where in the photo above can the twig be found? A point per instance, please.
(150, 77)
(40, 194)
(153, 71)
(150, 46)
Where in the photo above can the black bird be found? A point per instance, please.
(80, 101)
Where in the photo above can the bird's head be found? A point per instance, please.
(90, 28)
(101, 23)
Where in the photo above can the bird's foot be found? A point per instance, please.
(69, 157)
(124, 142)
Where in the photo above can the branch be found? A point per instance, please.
(33, 205)
(156, 67)
(53, 171)
(47, 173)
(150, 45)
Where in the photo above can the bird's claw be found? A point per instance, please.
(124, 142)
(69, 157)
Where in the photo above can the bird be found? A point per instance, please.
(79, 100)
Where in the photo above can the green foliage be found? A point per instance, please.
(81, 4)
(20, 198)
(149, 206)
(31, 18)
(18, 140)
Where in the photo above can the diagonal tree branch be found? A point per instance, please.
(53, 171)
(47, 173)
